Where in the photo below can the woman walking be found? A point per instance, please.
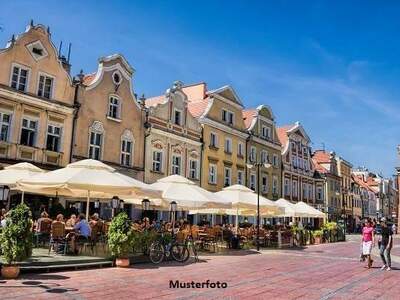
(368, 241)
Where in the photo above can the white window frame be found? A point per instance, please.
(227, 115)
(228, 145)
(253, 154)
(180, 117)
(95, 146)
(274, 185)
(60, 136)
(287, 187)
(320, 191)
(304, 188)
(8, 125)
(176, 168)
(240, 149)
(125, 153)
(28, 74)
(310, 191)
(30, 119)
(264, 156)
(264, 187)
(193, 172)
(53, 80)
(117, 106)
(295, 189)
(275, 160)
(156, 162)
(253, 181)
(240, 179)
(227, 176)
(212, 174)
(215, 144)
(267, 133)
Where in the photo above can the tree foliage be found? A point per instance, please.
(120, 236)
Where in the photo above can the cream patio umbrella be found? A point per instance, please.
(10, 175)
(243, 198)
(85, 176)
(187, 194)
(302, 209)
(287, 206)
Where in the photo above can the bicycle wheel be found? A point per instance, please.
(191, 245)
(156, 252)
(180, 252)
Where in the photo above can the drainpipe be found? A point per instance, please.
(201, 156)
(246, 158)
(76, 107)
(147, 128)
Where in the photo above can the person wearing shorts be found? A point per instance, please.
(368, 241)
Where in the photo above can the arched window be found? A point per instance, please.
(96, 136)
(127, 143)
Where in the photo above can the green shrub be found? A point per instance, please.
(16, 237)
(330, 226)
(120, 236)
(318, 233)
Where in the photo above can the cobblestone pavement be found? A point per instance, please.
(329, 271)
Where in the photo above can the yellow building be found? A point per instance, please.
(263, 146)
(36, 101)
(344, 168)
(224, 135)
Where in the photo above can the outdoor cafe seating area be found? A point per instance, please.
(213, 221)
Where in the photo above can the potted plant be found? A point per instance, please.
(16, 240)
(317, 234)
(120, 239)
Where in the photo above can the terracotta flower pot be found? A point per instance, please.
(10, 272)
(122, 262)
(317, 240)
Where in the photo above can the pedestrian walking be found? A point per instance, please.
(368, 241)
(394, 228)
(385, 245)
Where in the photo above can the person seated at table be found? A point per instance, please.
(146, 223)
(82, 232)
(59, 219)
(94, 219)
(71, 221)
(44, 218)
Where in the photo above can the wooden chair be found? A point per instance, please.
(43, 231)
(57, 236)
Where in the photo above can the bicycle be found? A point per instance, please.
(190, 244)
(162, 249)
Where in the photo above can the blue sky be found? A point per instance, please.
(332, 65)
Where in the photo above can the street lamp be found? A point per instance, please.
(145, 206)
(258, 165)
(173, 207)
(116, 203)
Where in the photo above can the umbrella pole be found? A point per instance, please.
(87, 205)
(22, 197)
(237, 220)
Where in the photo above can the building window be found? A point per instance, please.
(287, 187)
(275, 160)
(294, 161)
(253, 181)
(177, 117)
(176, 165)
(126, 152)
(193, 167)
(266, 132)
(253, 154)
(310, 191)
(213, 140)
(227, 117)
(264, 156)
(319, 193)
(53, 138)
(45, 86)
(96, 141)
(5, 124)
(28, 132)
(304, 187)
(264, 184)
(19, 78)
(294, 189)
(228, 145)
(240, 149)
(157, 161)
(114, 108)
(212, 174)
(227, 176)
(275, 185)
(240, 177)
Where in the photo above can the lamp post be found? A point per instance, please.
(258, 165)
(145, 206)
(115, 203)
(173, 206)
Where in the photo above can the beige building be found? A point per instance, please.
(173, 141)
(36, 101)
(110, 121)
(224, 135)
(326, 168)
(344, 168)
(298, 182)
(263, 146)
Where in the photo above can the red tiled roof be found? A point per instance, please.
(361, 182)
(282, 133)
(248, 116)
(153, 101)
(321, 156)
(197, 108)
(88, 78)
(319, 167)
